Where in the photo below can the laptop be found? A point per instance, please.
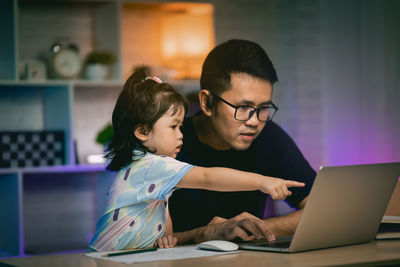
(345, 206)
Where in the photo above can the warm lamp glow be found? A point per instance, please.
(186, 38)
(171, 38)
(184, 35)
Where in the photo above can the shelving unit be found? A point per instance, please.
(28, 31)
(8, 54)
(50, 209)
(38, 106)
(10, 200)
(55, 209)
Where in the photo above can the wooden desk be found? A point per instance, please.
(386, 252)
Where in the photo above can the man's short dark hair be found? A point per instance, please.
(235, 56)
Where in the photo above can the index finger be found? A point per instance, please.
(258, 228)
(291, 183)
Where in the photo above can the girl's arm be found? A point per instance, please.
(225, 179)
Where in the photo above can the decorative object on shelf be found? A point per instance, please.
(31, 148)
(33, 70)
(98, 65)
(103, 138)
(64, 62)
(105, 135)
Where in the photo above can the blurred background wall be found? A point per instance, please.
(337, 61)
(338, 68)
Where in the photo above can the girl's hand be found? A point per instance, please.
(167, 241)
(278, 188)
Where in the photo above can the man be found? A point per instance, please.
(235, 129)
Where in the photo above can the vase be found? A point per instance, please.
(97, 72)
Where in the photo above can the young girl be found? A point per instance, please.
(146, 120)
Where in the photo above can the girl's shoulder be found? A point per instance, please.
(149, 158)
(154, 161)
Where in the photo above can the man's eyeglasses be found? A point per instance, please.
(245, 112)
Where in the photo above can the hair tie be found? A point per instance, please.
(154, 78)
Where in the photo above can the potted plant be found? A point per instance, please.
(98, 64)
(105, 135)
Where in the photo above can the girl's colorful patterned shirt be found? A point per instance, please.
(137, 203)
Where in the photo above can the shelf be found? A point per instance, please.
(52, 206)
(82, 23)
(49, 200)
(38, 107)
(72, 83)
(43, 206)
(10, 199)
(8, 54)
(106, 83)
(56, 169)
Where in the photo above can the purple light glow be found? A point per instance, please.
(355, 146)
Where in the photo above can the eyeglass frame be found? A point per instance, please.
(257, 110)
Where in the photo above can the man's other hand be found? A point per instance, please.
(244, 226)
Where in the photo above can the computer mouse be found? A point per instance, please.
(218, 245)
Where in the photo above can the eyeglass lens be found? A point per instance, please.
(263, 114)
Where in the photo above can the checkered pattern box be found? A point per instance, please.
(31, 149)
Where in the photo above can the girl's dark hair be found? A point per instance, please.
(142, 101)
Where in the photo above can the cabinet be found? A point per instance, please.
(54, 209)
(50, 209)
(27, 33)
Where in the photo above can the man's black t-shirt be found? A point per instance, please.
(272, 153)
